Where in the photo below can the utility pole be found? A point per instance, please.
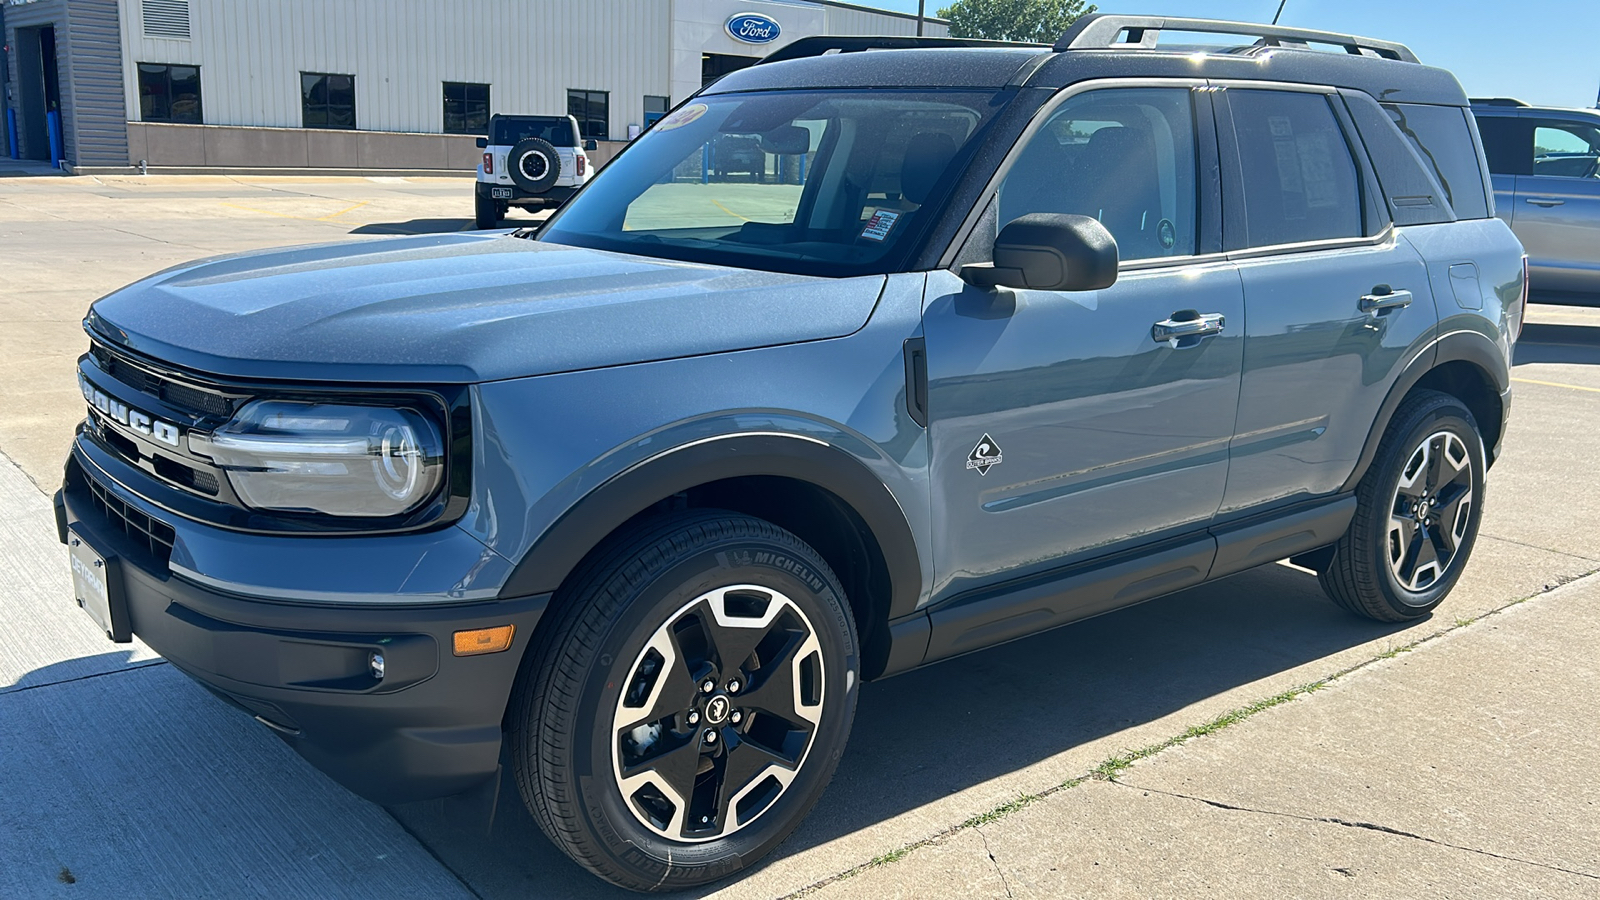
(921, 9)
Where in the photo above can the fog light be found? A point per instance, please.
(484, 640)
(375, 663)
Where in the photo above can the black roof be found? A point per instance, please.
(1386, 70)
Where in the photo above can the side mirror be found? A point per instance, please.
(1049, 252)
(483, 143)
(591, 144)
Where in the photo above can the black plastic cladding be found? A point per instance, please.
(446, 405)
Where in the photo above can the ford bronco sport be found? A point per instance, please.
(529, 161)
(1002, 338)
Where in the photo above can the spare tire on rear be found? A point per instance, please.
(534, 164)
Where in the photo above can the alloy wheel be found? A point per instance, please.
(1431, 511)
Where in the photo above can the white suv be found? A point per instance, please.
(529, 161)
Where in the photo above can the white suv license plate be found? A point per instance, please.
(97, 585)
(500, 193)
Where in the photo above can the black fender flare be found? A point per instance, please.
(1472, 347)
(583, 526)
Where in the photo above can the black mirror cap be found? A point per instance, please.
(483, 142)
(591, 144)
(1050, 252)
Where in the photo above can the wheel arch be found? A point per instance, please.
(822, 494)
(1467, 365)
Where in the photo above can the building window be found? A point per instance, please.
(327, 101)
(169, 93)
(592, 109)
(654, 108)
(466, 108)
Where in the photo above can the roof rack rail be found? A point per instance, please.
(1496, 101)
(826, 43)
(1103, 32)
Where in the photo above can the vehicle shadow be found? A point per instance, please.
(1541, 343)
(927, 734)
(416, 226)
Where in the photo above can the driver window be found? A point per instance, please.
(1571, 150)
(1124, 156)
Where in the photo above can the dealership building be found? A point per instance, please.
(105, 85)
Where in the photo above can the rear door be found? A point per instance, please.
(1558, 204)
(1060, 427)
(1335, 301)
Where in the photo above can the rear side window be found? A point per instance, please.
(1507, 144)
(1300, 181)
(1441, 137)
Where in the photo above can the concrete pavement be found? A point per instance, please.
(117, 769)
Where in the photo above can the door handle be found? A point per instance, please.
(1383, 298)
(1186, 327)
(1546, 202)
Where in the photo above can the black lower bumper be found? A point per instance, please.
(553, 196)
(430, 727)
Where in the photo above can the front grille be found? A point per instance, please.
(175, 393)
(152, 535)
(194, 479)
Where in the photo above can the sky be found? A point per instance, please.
(1546, 52)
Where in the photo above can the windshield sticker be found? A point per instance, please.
(878, 226)
(986, 454)
(682, 117)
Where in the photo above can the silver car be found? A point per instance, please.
(1545, 165)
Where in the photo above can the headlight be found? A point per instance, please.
(330, 458)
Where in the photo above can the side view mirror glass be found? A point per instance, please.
(591, 144)
(483, 142)
(1049, 252)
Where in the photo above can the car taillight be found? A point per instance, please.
(582, 161)
(1519, 309)
(488, 164)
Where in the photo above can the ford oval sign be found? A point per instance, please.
(753, 28)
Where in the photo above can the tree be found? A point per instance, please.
(1035, 21)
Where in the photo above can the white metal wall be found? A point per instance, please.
(251, 54)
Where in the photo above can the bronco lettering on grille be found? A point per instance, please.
(137, 421)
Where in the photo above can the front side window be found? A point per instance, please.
(1566, 149)
(1124, 156)
(830, 183)
(466, 108)
(169, 93)
(592, 109)
(1300, 181)
(327, 101)
(1441, 137)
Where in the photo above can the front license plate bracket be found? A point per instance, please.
(97, 586)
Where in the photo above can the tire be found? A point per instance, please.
(486, 212)
(1431, 459)
(609, 720)
(534, 164)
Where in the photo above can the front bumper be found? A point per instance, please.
(430, 727)
(553, 196)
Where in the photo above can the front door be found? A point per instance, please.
(1059, 425)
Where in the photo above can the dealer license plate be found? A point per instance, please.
(500, 193)
(97, 585)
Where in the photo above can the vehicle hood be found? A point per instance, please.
(463, 308)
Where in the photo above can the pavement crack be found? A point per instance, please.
(1537, 547)
(1004, 882)
(1351, 823)
(147, 664)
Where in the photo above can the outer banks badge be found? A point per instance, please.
(681, 117)
(986, 454)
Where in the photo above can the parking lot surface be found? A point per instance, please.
(1339, 757)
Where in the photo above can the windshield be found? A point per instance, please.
(556, 131)
(827, 183)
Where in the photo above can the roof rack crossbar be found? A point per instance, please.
(1103, 32)
(829, 43)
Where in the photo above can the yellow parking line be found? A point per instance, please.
(345, 210)
(729, 211)
(268, 212)
(1575, 387)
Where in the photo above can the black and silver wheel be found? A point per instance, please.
(689, 702)
(1416, 516)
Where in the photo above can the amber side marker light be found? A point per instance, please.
(484, 640)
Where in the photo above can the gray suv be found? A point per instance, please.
(1545, 166)
(977, 341)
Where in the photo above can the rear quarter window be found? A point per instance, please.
(1442, 137)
